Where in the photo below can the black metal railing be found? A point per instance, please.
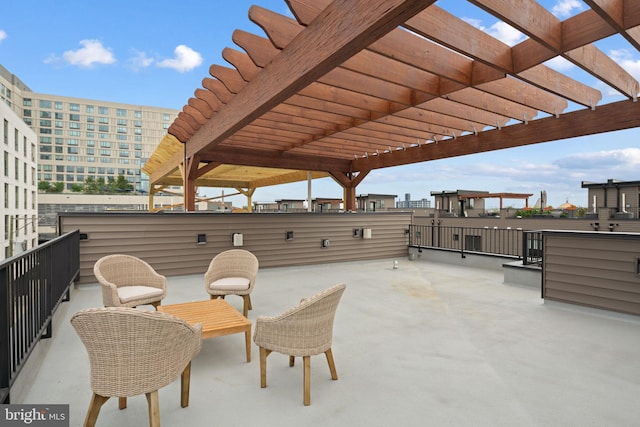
(32, 286)
(510, 242)
(532, 248)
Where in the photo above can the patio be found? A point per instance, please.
(425, 344)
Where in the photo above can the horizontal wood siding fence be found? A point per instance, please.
(168, 241)
(597, 269)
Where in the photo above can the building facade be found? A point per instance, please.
(407, 203)
(80, 139)
(19, 227)
(375, 202)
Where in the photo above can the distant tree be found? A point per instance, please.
(44, 186)
(77, 188)
(58, 187)
(90, 185)
(121, 185)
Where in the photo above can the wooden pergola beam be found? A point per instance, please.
(345, 27)
(606, 118)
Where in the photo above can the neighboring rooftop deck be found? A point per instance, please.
(428, 344)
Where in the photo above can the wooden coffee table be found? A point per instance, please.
(217, 317)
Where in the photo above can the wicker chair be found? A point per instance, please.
(133, 352)
(128, 281)
(232, 272)
(304, 330)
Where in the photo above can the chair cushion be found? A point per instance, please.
(132, 293)
(230, 284)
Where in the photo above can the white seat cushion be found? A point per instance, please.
(131, 293)
(231, 284)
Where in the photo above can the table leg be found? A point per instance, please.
(247, 338)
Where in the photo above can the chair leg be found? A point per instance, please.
(154, 408)
(292, 361)
(122, 403)
(94, 409)
(332, 365)
(185, 384)
(246, 306)
(263, 366)
(307, 380)
(155, 304)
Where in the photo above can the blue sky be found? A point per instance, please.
(157, 54)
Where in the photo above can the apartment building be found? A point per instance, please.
(80, 138)
(18, 184)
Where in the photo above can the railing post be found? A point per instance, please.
(5, 339)
(462, 255)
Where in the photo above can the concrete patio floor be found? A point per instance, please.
(427, 344)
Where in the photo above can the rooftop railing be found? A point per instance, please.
(32, 286)
(509, 242)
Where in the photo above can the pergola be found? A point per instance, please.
(350, 86)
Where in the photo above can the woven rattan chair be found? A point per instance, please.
(128, 281)
(232, 272)
(135, 352)
(304, 330)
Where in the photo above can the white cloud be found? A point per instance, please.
(565, 8)
(3, 35)
(186, 59)
(625, 159)
(92, 52)
(559, 64)
(139, 60)
(500, 30)
(625, 59)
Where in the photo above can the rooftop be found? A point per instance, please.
(424, 344)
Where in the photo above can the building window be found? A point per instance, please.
(44, 103)
(58, 105)
(26, 102)
(121, 112)
(74, 125)
(74, 107)
(74, 117)
(45, 114)
(103, 110)
(89, 109)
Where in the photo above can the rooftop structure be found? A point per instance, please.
(349, 87)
